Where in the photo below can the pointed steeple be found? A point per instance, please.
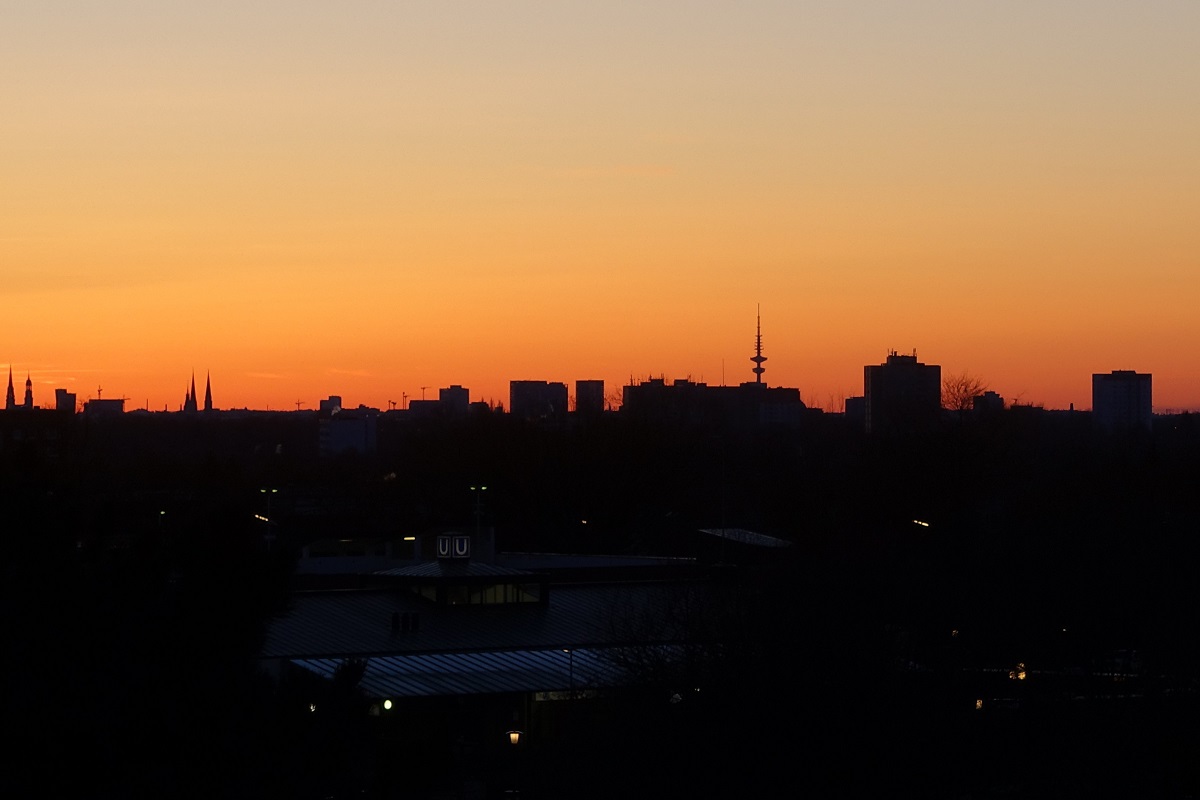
(189, 403)
(10, 400)
(28, 391)
(208, 391)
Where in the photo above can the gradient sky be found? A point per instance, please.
(366, 198)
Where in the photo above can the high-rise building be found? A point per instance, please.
(537, 400)
(589, 398)
(64, 401)
(1121, 400)
(902, 395)
(454, 399)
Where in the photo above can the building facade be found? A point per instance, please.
(902, 395)
(1121, 400)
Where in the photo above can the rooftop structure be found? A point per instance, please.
(902, 395)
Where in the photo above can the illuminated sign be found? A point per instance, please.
(453, 546)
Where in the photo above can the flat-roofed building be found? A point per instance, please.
(1121, 400)
(902, 395)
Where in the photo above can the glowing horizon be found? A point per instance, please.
(366, 200)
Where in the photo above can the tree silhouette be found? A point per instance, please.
(959, 391)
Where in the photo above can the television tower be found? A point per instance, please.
(758, 358)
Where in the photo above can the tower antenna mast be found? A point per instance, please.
(758, 358)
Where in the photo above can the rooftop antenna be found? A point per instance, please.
(758, 358)
(404, 400)
(423, 388)
(392, 403)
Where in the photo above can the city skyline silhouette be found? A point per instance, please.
(499, 397)
(405, 196)
(289, 259)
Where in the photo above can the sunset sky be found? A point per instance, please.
(368, 198)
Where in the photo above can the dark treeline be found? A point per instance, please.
(137, 585)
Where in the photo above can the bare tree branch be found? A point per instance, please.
(960, 390)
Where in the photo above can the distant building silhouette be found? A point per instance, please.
(902, 395)
(454, 399)
(10, 400)
(347, 430)
(1121, 400)
(537, 400)
(208, 406)
(856, 411)
(987, 403)
(452, 403)
(331, 404)
(103, 408)
(189, 397)
(684, 402)
(589, 397)
(28, 392)
(64, 401)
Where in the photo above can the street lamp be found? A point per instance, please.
(270, 535)
(478, 490)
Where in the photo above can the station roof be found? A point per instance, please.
(743, 536)
(441, 674)
(338, 624)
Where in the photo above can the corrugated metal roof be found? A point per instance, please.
(344, 623)
(747, 537)
(547, 670)
(453, 569)
(554, 561)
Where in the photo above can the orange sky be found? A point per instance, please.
(374, 198)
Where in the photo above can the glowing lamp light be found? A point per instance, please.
(979, 705)
(922, 523)
(514, 737)
(387, 705)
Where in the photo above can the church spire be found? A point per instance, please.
(208, 391)
(28, 391)
(10, 401)
(189, 402)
